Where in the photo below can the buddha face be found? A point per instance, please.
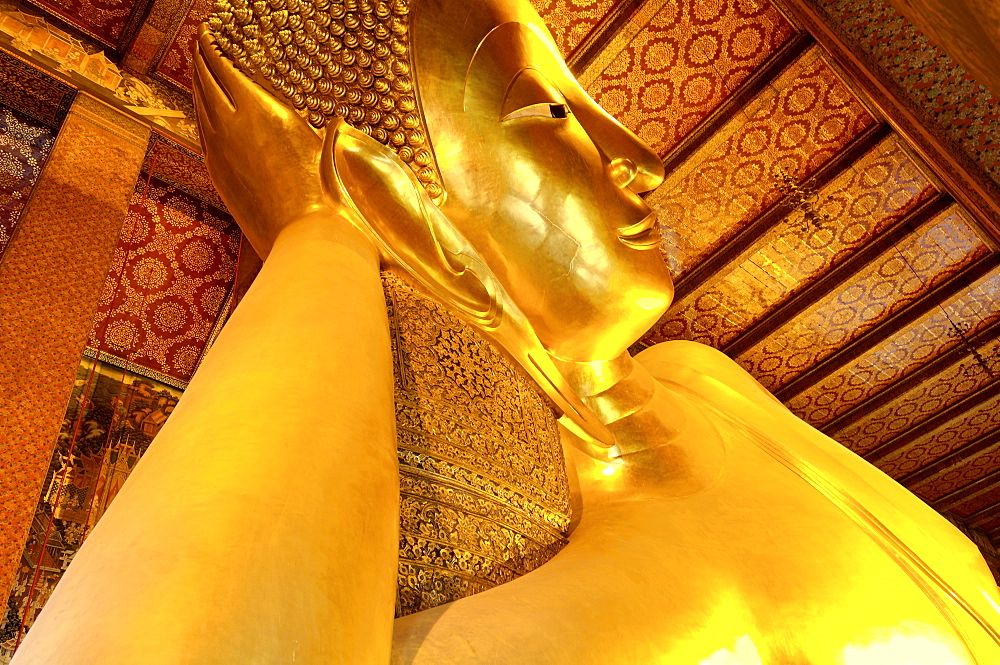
(539, 178)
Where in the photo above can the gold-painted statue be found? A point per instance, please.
(447, 143)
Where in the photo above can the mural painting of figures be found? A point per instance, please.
(112, 416)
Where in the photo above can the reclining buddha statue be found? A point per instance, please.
(420, 438)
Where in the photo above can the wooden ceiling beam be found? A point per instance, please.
(836, 277)
(745, 93)
(601, 34)
(965, 492)
(877, 335)
(970, 401)
(743, 242)
(974, 447)
(914, 379)
(983, 516)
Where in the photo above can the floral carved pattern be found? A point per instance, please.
(484, 490)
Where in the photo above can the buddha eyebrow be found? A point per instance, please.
(530, 31)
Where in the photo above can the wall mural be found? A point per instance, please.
(112, 417)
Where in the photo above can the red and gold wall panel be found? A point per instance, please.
(175, 64)
(50, 282)
(170, 279)
(689, 58)
(980, 501)
(936, 251)
(111, 22)
(948, 438)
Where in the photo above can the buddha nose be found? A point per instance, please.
(633, 164)
(623, 171)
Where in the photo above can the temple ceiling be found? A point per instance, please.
(826, 228)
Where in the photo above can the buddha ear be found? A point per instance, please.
(411, 232)
(416, 237)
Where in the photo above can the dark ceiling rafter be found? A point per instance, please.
(837, 276)
(890, 326)
(602, 33)
(926, 373)
(743, 241)
(950, 412)
(746, 92)
(968, 491)
(974, 447)
(982, 517)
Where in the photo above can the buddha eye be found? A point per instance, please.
(543, 110)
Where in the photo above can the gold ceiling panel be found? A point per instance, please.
(895, 358)
(973, 423)
(881, 188)
(684, 62)
(570, 21)
(936, 251)
(807, 119)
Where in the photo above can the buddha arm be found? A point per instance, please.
(261, 525)
(717, 378)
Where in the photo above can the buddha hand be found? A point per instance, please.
(262, 156)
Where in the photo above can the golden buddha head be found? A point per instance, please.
(475, 98)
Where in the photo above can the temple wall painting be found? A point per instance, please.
(112, 417)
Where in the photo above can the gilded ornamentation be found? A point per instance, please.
(484, 496)
(347, 59)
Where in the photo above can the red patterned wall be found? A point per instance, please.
(570, 21)
(171, 275)
(932, 254)
(882, 187)
(109, 21)
(175, 65)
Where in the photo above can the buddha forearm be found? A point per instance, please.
(261, 526)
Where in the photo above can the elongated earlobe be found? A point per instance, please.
(418, 240)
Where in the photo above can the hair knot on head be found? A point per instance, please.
(335, 58)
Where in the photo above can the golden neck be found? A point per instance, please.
(613, 389)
